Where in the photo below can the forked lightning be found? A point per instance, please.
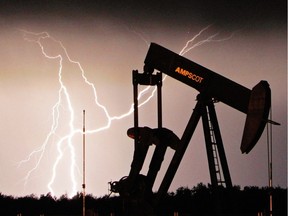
(64, 95)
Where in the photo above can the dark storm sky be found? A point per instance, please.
(223, 12)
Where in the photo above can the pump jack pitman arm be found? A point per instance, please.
(255, 103)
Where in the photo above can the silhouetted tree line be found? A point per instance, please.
(199, 200)
(205, 200)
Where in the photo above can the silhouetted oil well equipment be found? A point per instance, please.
(212, 88)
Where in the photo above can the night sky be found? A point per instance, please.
(105, 41)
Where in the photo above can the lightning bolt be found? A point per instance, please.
(63, 95)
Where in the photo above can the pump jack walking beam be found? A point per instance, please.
(255, 103)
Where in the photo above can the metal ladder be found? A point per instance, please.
(220, 180)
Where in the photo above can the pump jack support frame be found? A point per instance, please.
(203, 108)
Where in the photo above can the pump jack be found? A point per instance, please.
(212, 88)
